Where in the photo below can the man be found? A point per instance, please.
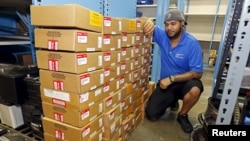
(181, 69)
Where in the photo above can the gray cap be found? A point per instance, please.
(174, 15)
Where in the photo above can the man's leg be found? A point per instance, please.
(189, 100)
(157, 103)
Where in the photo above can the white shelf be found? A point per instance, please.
(147, 6)
(14, 40)
(147, 10)
(205, 14)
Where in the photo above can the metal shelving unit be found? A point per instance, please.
(12, 12)
(234, 47)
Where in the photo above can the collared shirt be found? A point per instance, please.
(186, 56)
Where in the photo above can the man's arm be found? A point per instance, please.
(187, 76)
(164, 83)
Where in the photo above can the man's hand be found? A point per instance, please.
(148, 27)
(164, 83)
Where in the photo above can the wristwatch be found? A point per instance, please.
(171, 78)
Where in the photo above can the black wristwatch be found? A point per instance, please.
(171, 78)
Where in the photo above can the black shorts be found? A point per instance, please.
(164, 98)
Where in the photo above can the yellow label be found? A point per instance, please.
(95, 19)
(131, 25)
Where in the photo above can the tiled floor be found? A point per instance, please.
(167, 128)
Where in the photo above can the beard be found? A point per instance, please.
(176, 35)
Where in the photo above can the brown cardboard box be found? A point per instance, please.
(111, 73)
(127, 105)
(152, 86)
(124, 79)
(127, 39)
(138, 101)
(139, 38)
(135, 75)
(112, 101)
(128, 126)
(136, 63)
(140, 22)
(127, 53)
(118, 39)
(68, 82)
(69, 61)
(137, 50)
(126, 66)
(71, 100)
(138, 119)
(147, 39)
(77, 118)
(128, 25)
(109, 42)
(54, 130)
(110, 116)
(67, 16)
(146, 95)
(111, 87)
(111, 58)
(146, 48)
(25, 59)
(68, 39)
(114, 130)
(96, 136)
(112, 25)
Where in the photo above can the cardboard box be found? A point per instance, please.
(127, 53)
(111, 73)
(147, 39)
(54, 130)
(68, 82)
(112, 25)
(112, 101)
(110, 116)
(111, 87)
(111, 58)
(109, 42)
(128, 25)
(135, 75)
(69, 61)
(127, 39)
(126, 66)
(114, 130)
(77, 118)
(139, 38)
(25, 59)
(136, 63)
(137, 50)
(68, 39)
(71, 100)
(140, 22)
(146, 49)
(127, 105)
(152, 86)
(124, 80)
(66, 16)
(118, 39)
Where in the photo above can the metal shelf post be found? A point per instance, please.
(240, 53)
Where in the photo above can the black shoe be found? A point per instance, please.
(175, 107)
(186, 126)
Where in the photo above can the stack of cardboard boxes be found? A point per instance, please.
(93, 72)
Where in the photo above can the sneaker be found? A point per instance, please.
(186, 126)
(175, 107)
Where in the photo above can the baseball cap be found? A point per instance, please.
(174, 15)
